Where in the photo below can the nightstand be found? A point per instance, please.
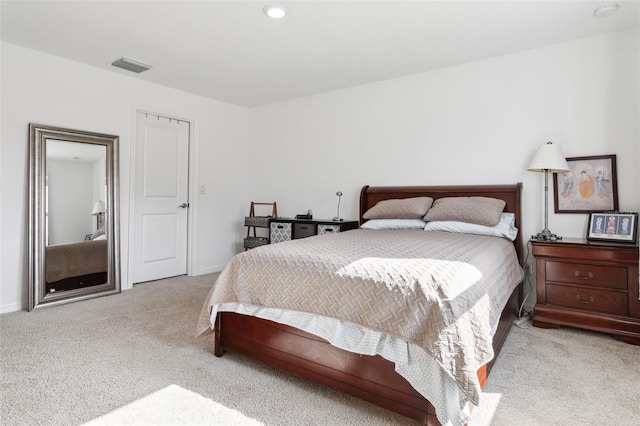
(284, 229)
(588, 285)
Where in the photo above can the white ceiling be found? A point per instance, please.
(230, 51)
(74, 151)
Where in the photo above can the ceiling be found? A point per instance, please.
(73, 151)
(230, 51)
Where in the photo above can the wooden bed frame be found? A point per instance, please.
(73, 283)
(371, 378)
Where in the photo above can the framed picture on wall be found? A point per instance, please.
(590, 185)
(615, 227)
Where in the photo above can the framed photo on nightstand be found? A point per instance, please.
(613, 227)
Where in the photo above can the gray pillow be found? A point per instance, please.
(403, 208)
(479, 210)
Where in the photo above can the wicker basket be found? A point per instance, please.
(259, 221)
(252, 242)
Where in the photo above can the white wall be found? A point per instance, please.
(44, 89)
(478, 123)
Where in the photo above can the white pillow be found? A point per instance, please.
(393, 224)
(505, 228)
(101, 237)
(509, 218)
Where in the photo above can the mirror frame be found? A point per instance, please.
(38, 137)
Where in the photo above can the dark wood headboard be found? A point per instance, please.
(511, 194)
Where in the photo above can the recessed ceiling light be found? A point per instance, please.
(275, 11)
(605, 11)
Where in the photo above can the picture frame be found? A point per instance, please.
(613, 227)
(590, 185)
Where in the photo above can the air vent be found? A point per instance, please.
(131, 65)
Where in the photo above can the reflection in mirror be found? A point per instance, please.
(74, 252)
(81, 167)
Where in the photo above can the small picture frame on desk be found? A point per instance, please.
(613, 227)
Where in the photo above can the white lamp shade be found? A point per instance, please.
(98, 208)
(549, 158)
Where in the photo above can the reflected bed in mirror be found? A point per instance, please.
(74, 225)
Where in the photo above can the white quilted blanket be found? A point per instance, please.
(440, 291)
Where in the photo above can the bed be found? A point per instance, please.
(76, 265)
(385, 363)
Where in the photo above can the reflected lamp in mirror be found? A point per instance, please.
(548, 159)
(98, 212)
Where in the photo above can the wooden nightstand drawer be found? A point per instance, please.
(585, 274)
(587, 299)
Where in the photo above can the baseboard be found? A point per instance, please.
(14, 307)
(209, 270)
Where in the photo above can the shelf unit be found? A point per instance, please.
(253, 223)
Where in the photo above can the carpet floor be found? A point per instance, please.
(132, 358)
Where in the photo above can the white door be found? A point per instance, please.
(160, 198)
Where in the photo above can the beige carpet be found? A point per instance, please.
(132, 359)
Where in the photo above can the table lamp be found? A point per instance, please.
(548, 159)
(337, 218)
(98, 211)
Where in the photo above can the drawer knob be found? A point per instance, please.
(586, 302)
(584, 277)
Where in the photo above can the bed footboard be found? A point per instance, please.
(370, 378)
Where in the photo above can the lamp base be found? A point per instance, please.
(546, 235)
(337, 219)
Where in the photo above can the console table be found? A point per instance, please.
(284, 229)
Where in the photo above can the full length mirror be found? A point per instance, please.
(74, 224)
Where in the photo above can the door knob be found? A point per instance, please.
(184, 205)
